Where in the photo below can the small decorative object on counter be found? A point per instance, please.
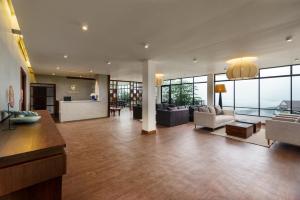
(94, 97)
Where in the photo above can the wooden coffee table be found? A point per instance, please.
(256, 124)
(238, 129)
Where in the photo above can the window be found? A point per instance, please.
(176, 81)
(187, 80)
(246, 100)
(296, 95)
(186, 95)
(200, 93)
(165, 94)
(296, 69)
(274, 95)
(166, 82)
(200, 79)
(185, 91)
(175, 94)
(276, 90)
(278, 71)
(221, 77)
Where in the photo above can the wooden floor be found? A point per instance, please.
(110, 159)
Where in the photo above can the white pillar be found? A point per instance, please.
(149, 121)
(102, 90)
(158, 94)
(210, 89)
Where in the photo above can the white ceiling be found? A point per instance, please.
(212, 31)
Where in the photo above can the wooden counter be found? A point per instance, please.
(32, 161)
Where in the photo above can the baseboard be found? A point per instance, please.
(148, 132)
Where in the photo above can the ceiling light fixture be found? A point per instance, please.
(195, 60)
(146, 45)
(242, 68)
(58, 68)
(66, 56)
(85, 27)
(289, 38)
(108, 62)
(91, 71)
(296, 59)
(53, 74)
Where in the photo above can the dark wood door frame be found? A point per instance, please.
(23, 87)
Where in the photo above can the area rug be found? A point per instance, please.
(258, 138)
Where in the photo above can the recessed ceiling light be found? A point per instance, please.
(289, 38)
(65, 56)
(53, 74)
(58, 68)
(195, 60)
(108, 62)
(146, 45)
(296, 59)
(91, 70)
(85, 27)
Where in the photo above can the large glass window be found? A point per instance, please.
(200, 93)
(185, 91)
(186, 94)
(274, 93)
(296, 95)
(165, 94)
(246, 93)
(175, 94)
(296, 69)
(276, 90)
(277, 71)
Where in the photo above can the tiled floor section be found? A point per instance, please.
(110, 159)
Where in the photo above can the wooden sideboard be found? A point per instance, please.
(32, 161)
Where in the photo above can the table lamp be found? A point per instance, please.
(220, 88)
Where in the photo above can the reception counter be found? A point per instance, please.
(81, 110)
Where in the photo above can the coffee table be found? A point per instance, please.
(238, 129)
(256, 124)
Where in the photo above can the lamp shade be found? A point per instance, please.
(242, 68)
(159, 78)
(220, 88)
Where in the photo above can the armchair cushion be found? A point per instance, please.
(212, 109)
(219, 110)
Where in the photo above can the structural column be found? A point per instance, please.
(149, 121)
(210, 90)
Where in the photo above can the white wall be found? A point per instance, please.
(10, 60)
(63, 86)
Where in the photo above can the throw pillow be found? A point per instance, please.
(172, 108)
(203, 109)
(212, 109)
(219, 110)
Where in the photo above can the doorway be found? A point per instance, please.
(23, 89)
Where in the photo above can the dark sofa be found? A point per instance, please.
(172, 116)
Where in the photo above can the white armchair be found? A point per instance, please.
(283, 131)
(211, 120)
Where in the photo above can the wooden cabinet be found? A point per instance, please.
(32, 161)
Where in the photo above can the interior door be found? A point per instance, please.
(39, 98)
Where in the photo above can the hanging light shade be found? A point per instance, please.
(242, 68)
(159, 78)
